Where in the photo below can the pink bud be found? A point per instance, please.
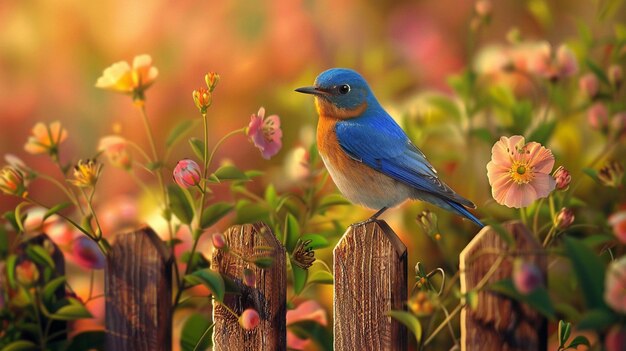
(249, 278)
(565, 218)
(615, 339)
(249, 319)
(483, 7)
(219, 241)
(618, 123)
(187, 173)
(26, 273)
(616, 75)
(598, 116)
(589, 84)
(618, 221)
(562, 177)
(87, 254)
(526, 276)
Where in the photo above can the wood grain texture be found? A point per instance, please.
(498, 322)
(138, 288)
(268, 296)
(59, 270)
(370, 267)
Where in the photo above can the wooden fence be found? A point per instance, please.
(370, 270)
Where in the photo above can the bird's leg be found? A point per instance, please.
(373, 218)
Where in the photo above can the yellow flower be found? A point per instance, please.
(211, 80)
(12, 181)
(46, 138)
(123, 78)
(86, 173)
(202, 97)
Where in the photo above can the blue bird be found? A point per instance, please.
(368, 155)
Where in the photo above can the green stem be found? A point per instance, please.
(89, 200)
(220, 142)
(206, 331)
(522, 212)
(181, 282)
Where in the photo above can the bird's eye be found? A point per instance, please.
(344, 89)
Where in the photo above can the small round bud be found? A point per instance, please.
(483, 7)
(219, 241)
(562, 178)
(187, 173)
(26, 273)
(615, 74)
(526, 276)
(564, 218)
(589, 85)
(249, 278)
(249, 319)
(598, 116)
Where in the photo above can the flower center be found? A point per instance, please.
(521, 173)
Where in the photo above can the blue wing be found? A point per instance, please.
(378, 141)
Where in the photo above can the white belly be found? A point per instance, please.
(365, 186)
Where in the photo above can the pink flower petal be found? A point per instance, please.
(540, 158)
(542, 185)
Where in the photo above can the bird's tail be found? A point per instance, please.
(460, 209)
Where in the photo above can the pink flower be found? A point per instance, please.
(615, 339)
(265, 133)
(589, 84)
(307, 311)
(615, 285)
(85, 253)
(618, 123)
(249, 319)
(615, 74)
(219, 241)
(618, 221)
(598, 116)
(519, 173)
(552, 65)
(562, 178)
(565, 218)
(46, 138)
(187, 173)
(116, 149)
(249, 278)
(26, 273)
(526, 276)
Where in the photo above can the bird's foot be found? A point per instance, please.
(371, 219)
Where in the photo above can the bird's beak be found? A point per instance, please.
(311, 90)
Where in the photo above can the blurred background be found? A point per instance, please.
(52, 52)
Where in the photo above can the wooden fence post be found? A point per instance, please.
(268, 297)
(59, 270)
(498, 322)
(138, 288)
(370, 267)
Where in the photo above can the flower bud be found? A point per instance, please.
(87, 254)
(202, 98)
(611, 174)
(618, 221)
(562, 178)
(211, 80)
(249, 319)
(564, 218)
(249, 278)
(483, 8)
(187, 173)
(12, 181)
(615, 339)
(589, 85)
(614, 285)
(427, 220)
(26, 273)
(526, 276)
(618, 124)
(615, 74)
(598, 116)
(219, 241)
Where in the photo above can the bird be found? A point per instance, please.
(370, 158)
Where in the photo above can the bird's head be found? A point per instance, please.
(340, 92)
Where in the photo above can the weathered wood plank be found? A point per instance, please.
(268, 297)
(138, 287)
(370, 267)
(498, 322)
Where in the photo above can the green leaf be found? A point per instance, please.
(10, 217)
(542, 133)
(271, 197)
(39, 255)
(10, 266)
(292, 232)
(230, 172)
(445, 105)
(211, 279)
(71, 312)
(564, 332)
(321, 277)
(483, 134)
(592, 173)
(598, 72)
(597, 319)
(251, 212)
(51, 288)
(331, 200)
(178, 131)
(253, 173)
(198, 261)
(56, 209)
(20, 345)
(179, 204)
(299, 278)
(153, 166)
(537, 299)
(263, 262)
(312, 330)
(197, 146)
(593, 241)
(410, 321)
(214, 213)
(196, 333)
(19, 217)
(317, 241)
(4, 243)
(501, 231)
(588, 269)
(579, 340)
(87, 341)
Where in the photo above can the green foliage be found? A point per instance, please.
(213, 213)
(589, 270)
(179, 204)
(210, 279)
(537, 299)
(410, 321)
(196, 333)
